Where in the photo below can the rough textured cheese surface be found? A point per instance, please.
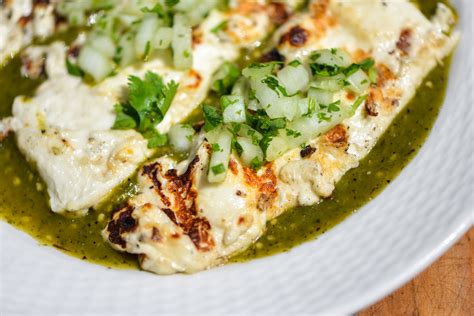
(191, 236)
(65, 129)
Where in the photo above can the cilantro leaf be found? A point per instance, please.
(256, 163)
(219, 27)
(212, 117)
(218, 169)
(73, 69)
(272, 83)
(148, 101)
(151, 98)
(225, 78)
(171, 3)
(155, 139)
(126, 117)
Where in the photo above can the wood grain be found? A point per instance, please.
(445, 288)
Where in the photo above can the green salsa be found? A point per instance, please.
(23, 197)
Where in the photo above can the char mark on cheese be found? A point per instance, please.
(272, 55)
(278, 13)
(266, 184)
(338, 136)
(307, 151)
(122, 222)
(182, 196)
(370, 105)
(296, 36)
(319, 9)
(404, 41)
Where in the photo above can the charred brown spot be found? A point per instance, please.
(196, 36)
(151, 171)
(196, 79)
(241, 220)
(265, 184)
(371, 105)
(39, 3)
(155, 234)
(296, 36)
(337, 136)
(199, 234)
(307, 151)
(404, 41)
(122, 222)
(350, 95)
(183, 212)
(319, 9)
(240, 193)
(384, 74)
(175, 235)
(24, 20)
(277, 12)
(273, 55)
(74, 51)
(233, 167)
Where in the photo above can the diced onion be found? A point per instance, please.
(276, 148)
(145, 35)
(250, 151)
(127, 51)
(181, 137)
(234, 112)
(359, 81)
(94, 63)
(334, 83)
(163, 38)
(334, 57)
(102, 44)
(258, 72)
(240, 87)
(219, 161)
(182, 43)
(294, 78)
(246, 131)
(267, 98)
(253, 105)
(321, 96)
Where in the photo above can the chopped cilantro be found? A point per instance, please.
(236, 146)
(171, 3)
(73, 69)
(219, 27)
(256, 163)
(294, 63)
(147, 50)
(334, 107)
(359, 101)
(225, 78)
(272, 83)
(292, 133)
(212, 117)
(218, 169)
(215, 147)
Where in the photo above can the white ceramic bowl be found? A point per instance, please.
(419, 216)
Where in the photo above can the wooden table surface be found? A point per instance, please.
(445, 288)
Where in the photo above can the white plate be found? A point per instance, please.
(419, 216)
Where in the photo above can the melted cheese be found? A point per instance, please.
(372, 28)
(65, 129)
